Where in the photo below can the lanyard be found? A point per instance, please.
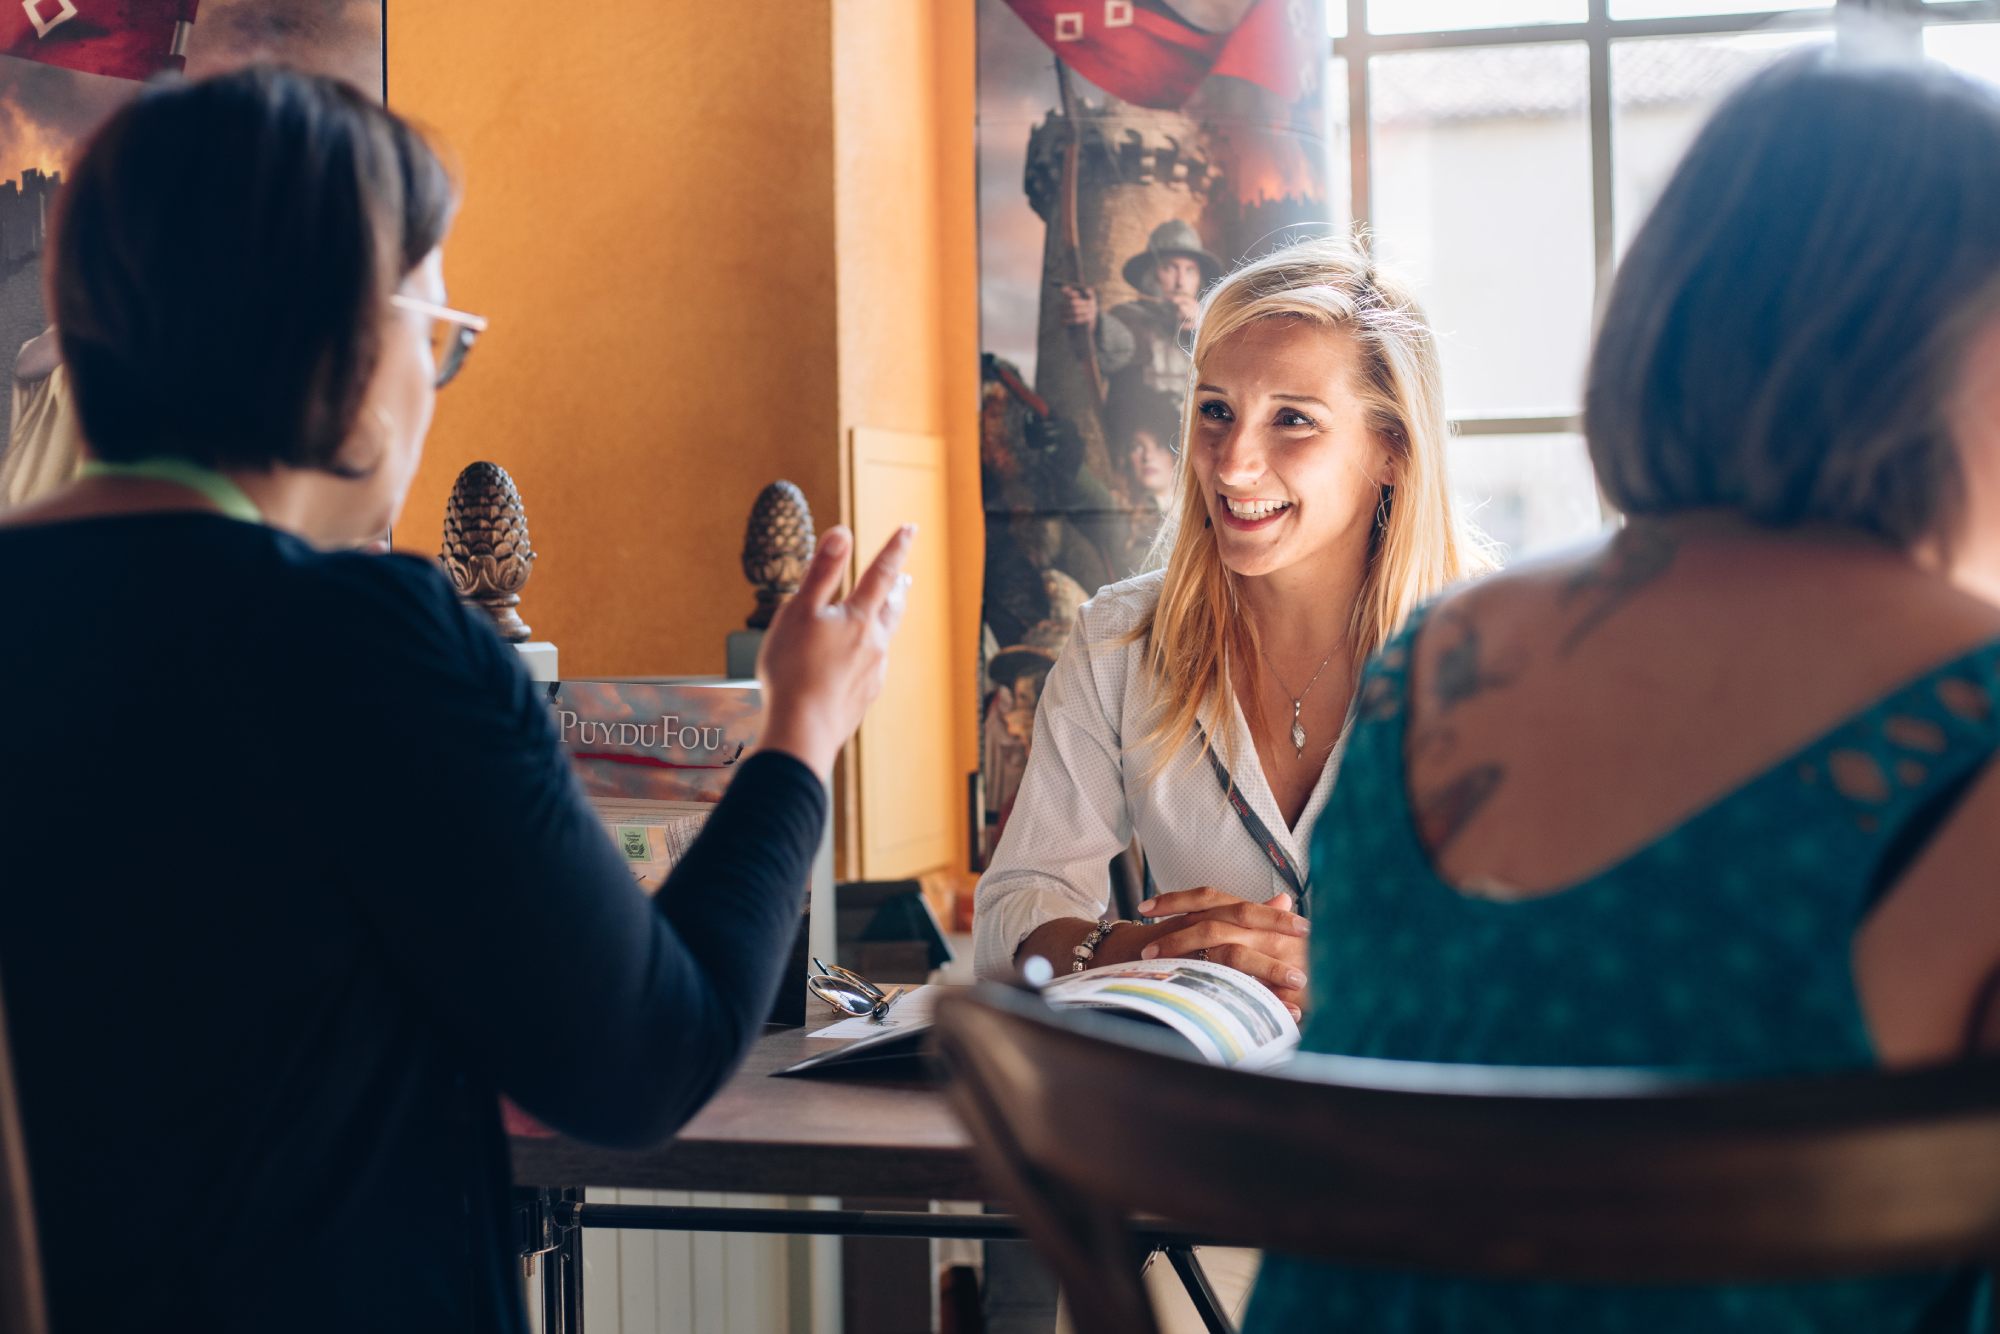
(211, 485)
(1260, 833)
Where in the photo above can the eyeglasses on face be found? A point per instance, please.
(453, 333)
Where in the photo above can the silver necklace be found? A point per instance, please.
(1298, 700)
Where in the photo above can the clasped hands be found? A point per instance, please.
(1266, 940)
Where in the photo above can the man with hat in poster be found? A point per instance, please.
(1143, 344)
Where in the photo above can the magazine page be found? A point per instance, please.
(1230, 1017)
(652, 835)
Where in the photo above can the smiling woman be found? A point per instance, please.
(1309, 516)
(1199, 708)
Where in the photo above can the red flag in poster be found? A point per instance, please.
(1155, 53)
(125, 39)
(1274, 47)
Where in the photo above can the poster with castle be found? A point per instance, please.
(1129, 151)
(67, 64)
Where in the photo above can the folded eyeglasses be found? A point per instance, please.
(849, 993)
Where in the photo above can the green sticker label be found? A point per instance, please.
(632, 838)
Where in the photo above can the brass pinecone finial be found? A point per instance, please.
(486, 549)
(777, 547)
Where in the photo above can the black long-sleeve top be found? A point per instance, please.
(294, 881)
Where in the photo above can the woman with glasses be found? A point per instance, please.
(298, 883)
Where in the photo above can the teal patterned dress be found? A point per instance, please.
(1722, 946)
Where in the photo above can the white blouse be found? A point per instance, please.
(1085, 795)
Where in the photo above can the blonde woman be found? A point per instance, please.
(1310, 516)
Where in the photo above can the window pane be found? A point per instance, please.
(1678, 9)
(1336, 18)
(1457, 15)
(1481, 188)
(1527, 493)
(1339, 163)
(1971, 47)
(1662, 89)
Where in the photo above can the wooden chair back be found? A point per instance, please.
(1082, 1123)
(22, 1307)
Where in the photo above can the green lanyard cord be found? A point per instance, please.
(211, 485)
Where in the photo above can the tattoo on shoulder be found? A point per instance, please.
(1460, 672)
(1444, 813)
(1635, 558)
(1432, 742)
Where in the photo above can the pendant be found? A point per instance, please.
(1298, 732)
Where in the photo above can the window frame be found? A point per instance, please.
(1597, 31)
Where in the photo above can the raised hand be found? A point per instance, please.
(823, 660)
(1266, 940)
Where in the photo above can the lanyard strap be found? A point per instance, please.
(1260, 833)
(231, 499)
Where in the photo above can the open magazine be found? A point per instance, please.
(1226, 1017)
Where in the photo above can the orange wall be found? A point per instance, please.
(907, 238)
(955, 68)
(712, 239)
(647, 223)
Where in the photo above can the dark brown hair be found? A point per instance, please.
(222, 253)
(1785, 333)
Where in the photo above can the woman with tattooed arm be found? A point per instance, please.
(1715, 795)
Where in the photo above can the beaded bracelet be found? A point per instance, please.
(1087, 951)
